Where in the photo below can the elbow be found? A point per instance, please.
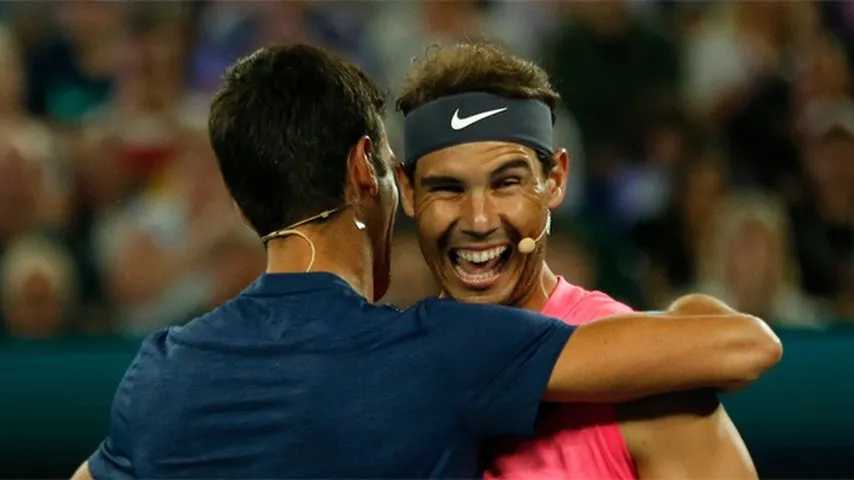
(762, 351)
(769, 348)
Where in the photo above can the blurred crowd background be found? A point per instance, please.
(712, 150)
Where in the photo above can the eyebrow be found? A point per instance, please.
(445, 180)
(439, 180)
(511, 164)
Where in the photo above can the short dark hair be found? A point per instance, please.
(282, 125)
(475, 67)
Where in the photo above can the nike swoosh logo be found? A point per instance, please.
(458, 123)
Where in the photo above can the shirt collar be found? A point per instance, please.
(271, 284)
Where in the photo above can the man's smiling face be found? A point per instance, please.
(472, 204)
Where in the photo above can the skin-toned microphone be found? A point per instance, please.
(528, 244)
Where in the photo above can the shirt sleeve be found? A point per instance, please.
(596, 306)
(501, 359)
(113, 458)
(109, 462)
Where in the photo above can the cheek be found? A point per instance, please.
(433, 218)
(533, 195)
(525, 211)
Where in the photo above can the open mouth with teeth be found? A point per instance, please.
(479, 268)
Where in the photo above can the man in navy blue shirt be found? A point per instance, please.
(302, 376)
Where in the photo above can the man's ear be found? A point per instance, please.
(361, 175)
(557, 178)
(407, 191)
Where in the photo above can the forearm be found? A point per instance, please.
(637, 355)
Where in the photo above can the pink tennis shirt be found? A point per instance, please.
(576, 441)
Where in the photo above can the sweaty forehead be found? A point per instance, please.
(472, 159)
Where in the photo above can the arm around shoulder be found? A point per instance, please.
(768, 349)
(697, 343)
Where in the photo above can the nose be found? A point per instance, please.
(479, 219)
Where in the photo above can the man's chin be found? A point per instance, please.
(496, 295)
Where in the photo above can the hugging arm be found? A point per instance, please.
(698, 342)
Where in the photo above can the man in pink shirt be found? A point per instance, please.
(480, 177)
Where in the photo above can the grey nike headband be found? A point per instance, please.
(477, 117)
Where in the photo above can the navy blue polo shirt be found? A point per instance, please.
(300, 376)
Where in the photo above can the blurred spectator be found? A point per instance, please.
(737, 65)
(124, 146)
(20, 185)
(33, 181)
(642, 188)
(39, 293)
(731, 47)
(822, 76)
(673, 241)
(599, 45)
(225, 30)
(824, 218)
(33, 190)
(102, 181)
(750, 264)
(197, 252)
(402, 31)
(145, 112)
(70, 71)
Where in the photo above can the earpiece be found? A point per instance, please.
(528, 244)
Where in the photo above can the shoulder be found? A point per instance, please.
(453, 325)
(578, 306)
(599, 304)
(136, 387)
(148, 361)
(451, 312)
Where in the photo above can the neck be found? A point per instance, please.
(546, 282)
(339, 249)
